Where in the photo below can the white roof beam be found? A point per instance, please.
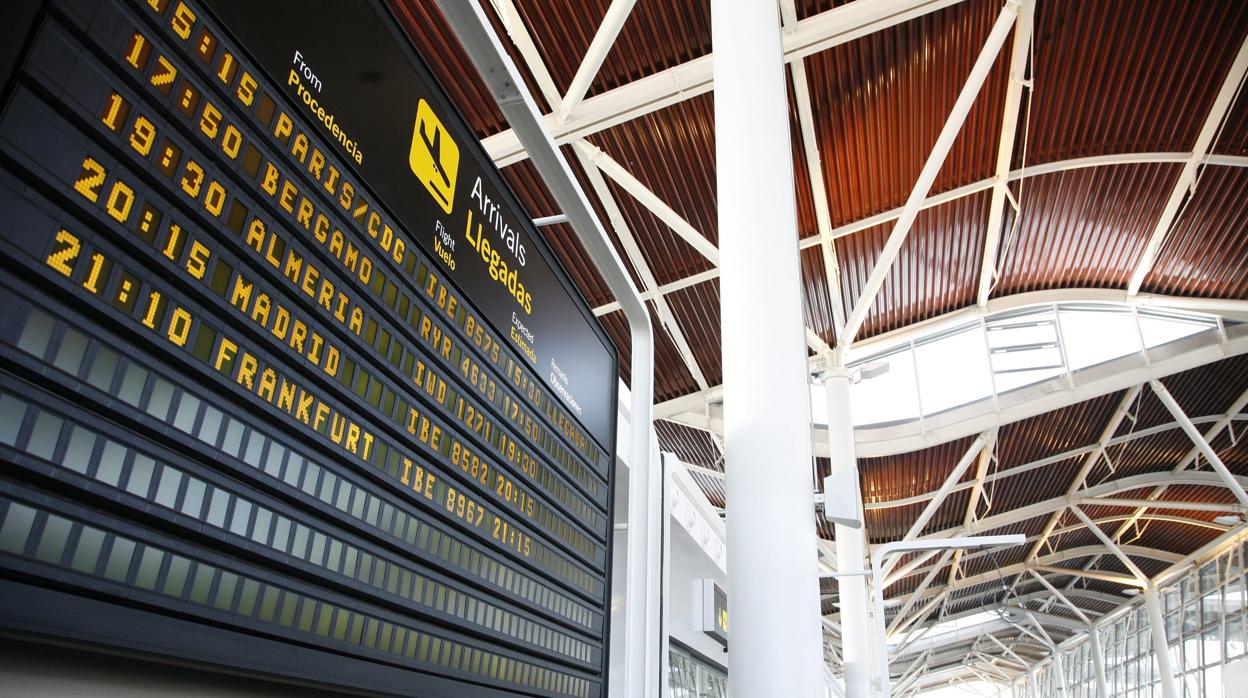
(1062, 597)
(604, 39)
(693, 78)
(1048, 563)
(649, 199)
(523, 41)
(1161, 504)
(1005, 148)
(1186, 184)
(814, 168)
(1194, 434)
(1111, 428)
(931, 168)
(633, 252)
(1188, 459)
(967, 190)
(955, 476)
(1109, 487)
(972, 506)
(1093, 574)
(1109, 543)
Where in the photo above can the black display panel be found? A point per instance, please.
(253, 400)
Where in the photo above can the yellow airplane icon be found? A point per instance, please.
(434, 156)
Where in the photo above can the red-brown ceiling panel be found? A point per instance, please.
(696, 310)
(936, 271)
(671, 378)
(816, 298)
(690, 445)
(1201, 392)
(1149, 454)
(658, 34)
(909, 474)
(1126, 77)
(1233, 139)
(1206, 249)
(437, 44)
(672, 153)
(1055, 432)
(1172, 537)
(807, 224)
(1082, 228)
(1031, 487)
(880, 102)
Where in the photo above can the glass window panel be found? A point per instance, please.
(37, 333)
(233, 437)
(16, 529)
(241, 517)
(140, 479)
(52, 542)
(255, 446)
(1235, 636)
(941, 389)
(78, 453)
(1212, 641)
(216, 510)
(119, 559)
(312, 479)
(112, 458)
(162, 397)
(69, 354)
(193, 500)
(260, 532)
(87, 552)
(1095, 334)
(188, 409)
(1160, 328)
(132, 384)
(210, 427)
(44, 436)
(273, 461)
(225, 591)
(294, 470)
(103, 368)
(167, 490)
(175, 578)
(888, 397)
(12, 412)
(202, 584)
(149, 568)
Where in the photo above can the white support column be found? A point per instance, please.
(773, 589)
(1161, 648)
(1098, 662)
(850, 542)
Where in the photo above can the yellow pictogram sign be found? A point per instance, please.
(434, 157)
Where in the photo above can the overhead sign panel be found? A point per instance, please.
(287, 379)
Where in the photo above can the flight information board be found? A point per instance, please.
(288, 381)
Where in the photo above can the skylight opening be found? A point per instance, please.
(954, 365)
